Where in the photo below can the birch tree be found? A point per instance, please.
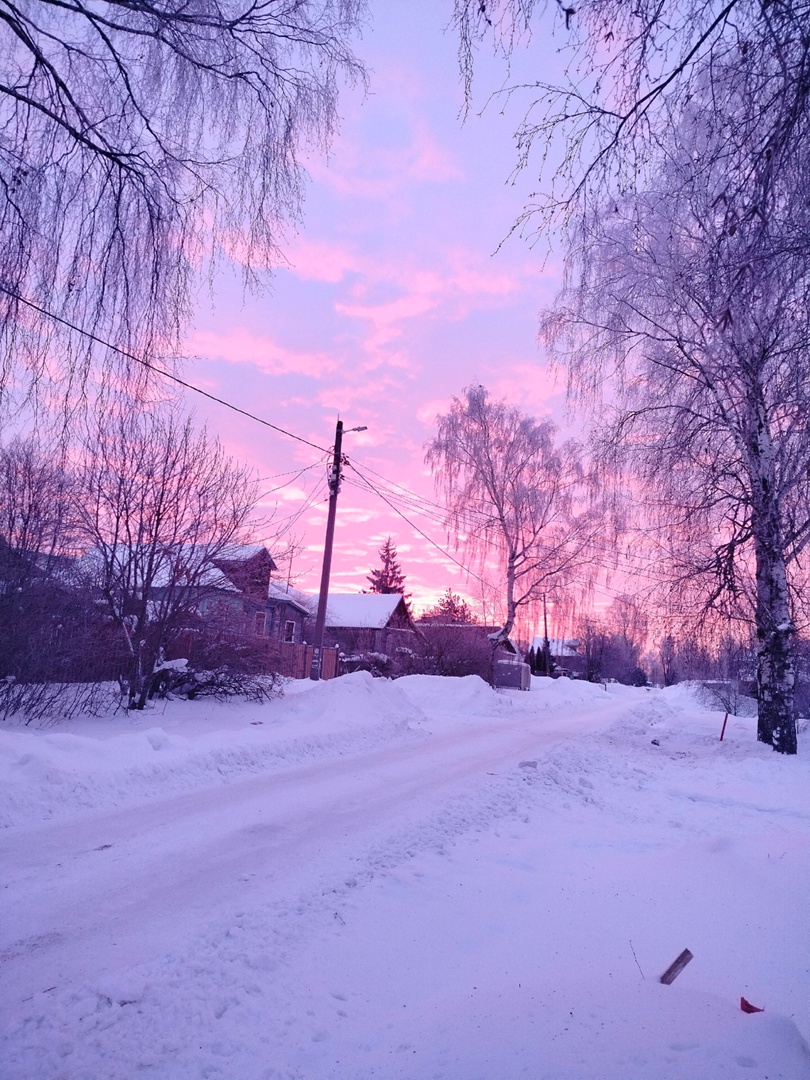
(512, 492)
(631, 70)
(137, 140)
(698, 313)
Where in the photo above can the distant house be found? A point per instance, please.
(364, 623)
(286, 614)
(566, 654)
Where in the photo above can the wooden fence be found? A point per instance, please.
(261, 654)
(295, 661)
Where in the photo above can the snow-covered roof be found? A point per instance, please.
(172, 556)
(241, 552)
(372, 610)
(557, 646)
(277, 591)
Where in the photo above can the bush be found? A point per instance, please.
(637, 677)
(455, 650)
(220, 683)
(46, 703)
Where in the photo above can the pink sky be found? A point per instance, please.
(396, 296)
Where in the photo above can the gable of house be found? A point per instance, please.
(368, 611)
(248, 567)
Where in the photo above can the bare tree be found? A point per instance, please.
(628, 625)
(700, 318)
(731, 680)
(35, 497)
(668, 658)
(631, 70)
(50, 632)
(593, 646)
(138, 139)
(512, 492)
(160, 505)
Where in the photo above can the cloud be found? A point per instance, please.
(429, 410)
(385, 322)
(322, 260)
(390, 171)
(241, 346)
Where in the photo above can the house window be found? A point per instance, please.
(258, 623)
(289, 630)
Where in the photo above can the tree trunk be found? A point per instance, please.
(776, 724)
(511, 606)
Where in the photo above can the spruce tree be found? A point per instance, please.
(388, 578)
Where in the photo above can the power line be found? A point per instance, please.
(157, 370)
(296, 515)
(411, 494)
(298, 474)
(287, 472)
(363, 485)
(416, 502)
(416, 528)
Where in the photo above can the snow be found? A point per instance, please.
(361, 610)
(412, 879)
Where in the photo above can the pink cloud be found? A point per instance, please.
(487, 281)
(321, 260)
(387, 173)
(429, 160)
(358, 396)
(244, 347)
(407, 306)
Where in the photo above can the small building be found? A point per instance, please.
(365, 624)
(286, 614)
(566, 655)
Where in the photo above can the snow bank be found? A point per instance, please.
(120, 760)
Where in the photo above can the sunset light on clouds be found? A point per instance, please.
(401, 287)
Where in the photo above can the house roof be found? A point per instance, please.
(244, 552)
(214, 575)
(558, 646)
(285, 595)
(362, 610)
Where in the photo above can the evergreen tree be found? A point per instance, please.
(451, 608)
(388, 578)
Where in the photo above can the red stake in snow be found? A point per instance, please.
(723, 730)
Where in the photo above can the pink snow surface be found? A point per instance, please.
(410, 880)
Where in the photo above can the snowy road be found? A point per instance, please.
(418, 880)
(96, 893)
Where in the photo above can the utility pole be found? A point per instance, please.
(335, 476)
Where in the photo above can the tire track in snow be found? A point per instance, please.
(258, 841)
